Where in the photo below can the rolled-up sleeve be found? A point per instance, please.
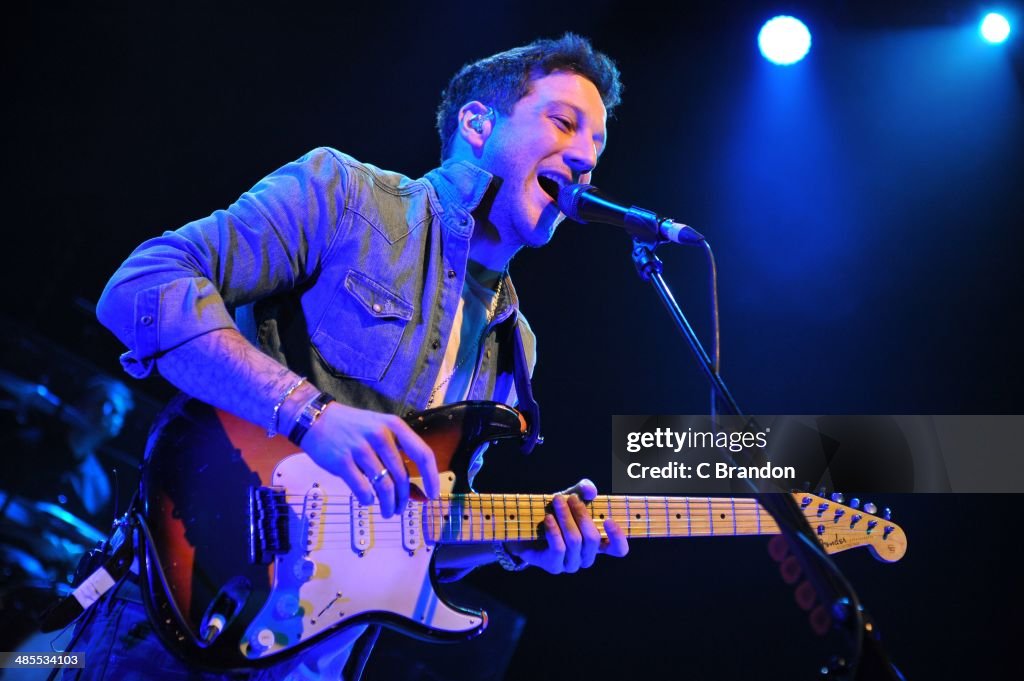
(182, 284)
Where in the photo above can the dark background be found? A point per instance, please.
(864, 206)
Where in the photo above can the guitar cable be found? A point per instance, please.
(90, 613)
(151, 554)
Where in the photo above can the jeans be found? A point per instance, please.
(119, 644)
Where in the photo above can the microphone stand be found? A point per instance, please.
(831, 586)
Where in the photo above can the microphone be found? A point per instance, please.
(586, 203)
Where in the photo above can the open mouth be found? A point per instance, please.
(549, 186)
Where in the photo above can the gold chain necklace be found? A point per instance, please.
(462, 360)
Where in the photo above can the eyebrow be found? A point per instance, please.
(600, 138)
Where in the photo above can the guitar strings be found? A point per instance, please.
(481, 520)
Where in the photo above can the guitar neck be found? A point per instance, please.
(517, 517)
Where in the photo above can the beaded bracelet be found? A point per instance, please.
(275, 417)
(507, 560)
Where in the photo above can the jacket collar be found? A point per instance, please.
(459, 185)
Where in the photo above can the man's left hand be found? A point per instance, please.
(571, 539)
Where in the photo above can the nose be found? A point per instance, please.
(581, 156)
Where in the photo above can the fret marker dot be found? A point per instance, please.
(638, 516)
(678, 516)
(487, 517)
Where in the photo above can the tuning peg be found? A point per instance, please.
(855, 503)
(821, 491)
(871, 525)
(838, 497)
(887, 513)
(870, 508)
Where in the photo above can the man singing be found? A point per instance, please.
(334, 297)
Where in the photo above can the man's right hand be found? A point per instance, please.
(225, 370)
(360, 445)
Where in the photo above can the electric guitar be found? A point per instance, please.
(251, 551)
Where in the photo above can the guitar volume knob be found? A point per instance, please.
(304, 570)
(261, 641)
(287, 606)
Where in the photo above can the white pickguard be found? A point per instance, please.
(345, 560)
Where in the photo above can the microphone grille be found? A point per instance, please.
(569, 200)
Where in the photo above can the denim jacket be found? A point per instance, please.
(348, 274)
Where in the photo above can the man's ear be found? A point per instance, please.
(476, 121)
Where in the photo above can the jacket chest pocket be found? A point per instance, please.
(362, 328)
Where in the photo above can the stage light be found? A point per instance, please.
(784, 40)
(995, 28)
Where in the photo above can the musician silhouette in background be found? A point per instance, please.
(56, 496)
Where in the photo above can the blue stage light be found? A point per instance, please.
(784, 40)
(995, 28)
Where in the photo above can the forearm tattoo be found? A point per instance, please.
(225, 370)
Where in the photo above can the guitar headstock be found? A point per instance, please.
(840, 527)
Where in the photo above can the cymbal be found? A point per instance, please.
(29, 394)
(40, 398)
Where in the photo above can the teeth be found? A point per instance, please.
(557, 179)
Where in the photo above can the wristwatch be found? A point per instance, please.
(308, 416)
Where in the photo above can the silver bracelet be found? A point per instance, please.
(507, 560)
(276, 416)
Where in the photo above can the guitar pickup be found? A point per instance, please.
(412, 527)
(361, 525)
(312, 518)
(268, 524)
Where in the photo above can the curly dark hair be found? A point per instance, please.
(503, 79)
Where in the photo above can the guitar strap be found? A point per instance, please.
(527, 404)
